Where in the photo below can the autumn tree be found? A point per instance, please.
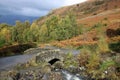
(5, 34)
(61, 28)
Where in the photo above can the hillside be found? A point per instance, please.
(86, 9)
(98, 22)
(88, 14)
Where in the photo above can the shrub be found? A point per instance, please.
(2, 42)
(93, 65)
(91, 10)
(85, 54)
(99, 2)
(70, 60)
(105, 18)
(102, 43)
(115, 46)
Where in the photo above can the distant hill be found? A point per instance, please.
(11, 19)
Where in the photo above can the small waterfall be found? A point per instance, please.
(66, 75)
(70, 76)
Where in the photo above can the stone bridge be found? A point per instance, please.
(45, 55)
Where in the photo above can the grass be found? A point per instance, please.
(106, 64)
(70, 60)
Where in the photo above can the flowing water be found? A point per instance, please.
(69, 76)
(65, 75)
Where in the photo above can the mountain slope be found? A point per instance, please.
(88, 8)
(88, 14)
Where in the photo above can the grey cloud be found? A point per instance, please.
(29, 7)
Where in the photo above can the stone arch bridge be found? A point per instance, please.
(44, 55)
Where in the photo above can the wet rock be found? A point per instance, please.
(58, 65)
(73, 69)
(46, 69)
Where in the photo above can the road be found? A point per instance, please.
(7, 63)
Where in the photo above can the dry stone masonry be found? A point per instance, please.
(45, 55)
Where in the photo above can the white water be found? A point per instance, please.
(69, 76)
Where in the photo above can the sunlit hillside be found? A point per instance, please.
(88, 15)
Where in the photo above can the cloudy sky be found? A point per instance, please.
(32, 7)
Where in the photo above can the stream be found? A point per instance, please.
(69, 76)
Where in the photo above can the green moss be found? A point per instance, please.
(107, 64)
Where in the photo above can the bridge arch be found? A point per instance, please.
(50, 56)
(53, 61)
